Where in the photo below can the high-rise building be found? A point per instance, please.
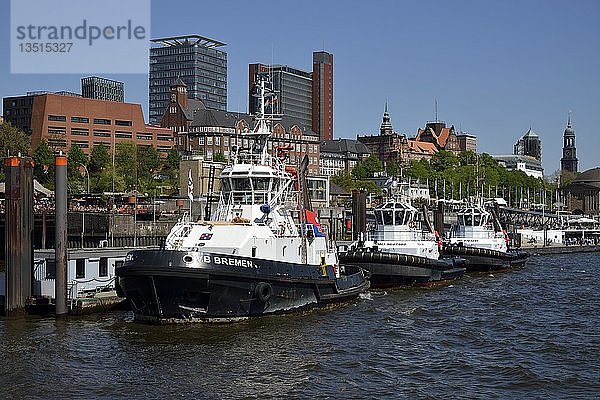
(95, 87)
(293, 88)
(194, 59)
(305, 96)
(568, 162)
(322, 104)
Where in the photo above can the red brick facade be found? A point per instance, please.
(65, 121)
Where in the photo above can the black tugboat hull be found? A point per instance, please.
(486, 260)
(161, 288)
(393, 270)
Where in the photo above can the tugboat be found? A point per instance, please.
(251, 259)
(399, 252)
(479, 239)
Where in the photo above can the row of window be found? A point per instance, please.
(54, 130)
(85, 120)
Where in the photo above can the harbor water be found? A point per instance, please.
(530, 333)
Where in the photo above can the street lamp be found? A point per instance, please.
(87, 174)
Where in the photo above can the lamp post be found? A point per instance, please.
(87, 174)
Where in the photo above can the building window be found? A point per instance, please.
(80, 120)
(103, 267)
(217, 140)
(80, 268)
(101, 121)
(201, 140)
(209, 140)
(60, 118)
(122, 123)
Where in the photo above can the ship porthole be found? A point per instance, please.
(188, 258)
(263, 291)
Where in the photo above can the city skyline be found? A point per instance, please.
(495, 69)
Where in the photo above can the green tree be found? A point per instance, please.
(367, 168)
(77, 160)
(171, 163)
(219, 157)
(43, 164)
(99, 158)
(344, 180)
(148, 163)
(13, 141)
(126, 163)
(393, 168)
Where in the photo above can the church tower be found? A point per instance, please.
(568, 162)
(179, 93)
(386, 124)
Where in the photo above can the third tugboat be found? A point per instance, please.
(251, 259)
(479, 239)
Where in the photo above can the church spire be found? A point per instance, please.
(386, 124)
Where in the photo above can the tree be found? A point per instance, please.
(344, 180)
(99, 159)
(148, 162)
(43, 163)
(172, 161)
(393, 168)
(219, 157)
(367, 168)
(76, 160)
(126, 163)
(13, 141)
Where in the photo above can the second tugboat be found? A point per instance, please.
(399, 252)
(251, 259)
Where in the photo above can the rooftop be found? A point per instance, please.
(193, 40)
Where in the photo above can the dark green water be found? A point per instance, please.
(532, 333)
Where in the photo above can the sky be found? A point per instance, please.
(496, 68)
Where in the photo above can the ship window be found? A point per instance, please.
(225, 184)
(283, 251)
(387, 217)
(80, 268)
(399, 217)
(378, 217)
(261, 183)
(254, 251)
(240, 183)
(103, 267)
(468, 220)
(477, 220)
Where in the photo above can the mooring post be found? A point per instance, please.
(60, 250)
(18, 233)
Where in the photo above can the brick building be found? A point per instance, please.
(436, 132)
(64, 121)
(198, 129)
(389, 146)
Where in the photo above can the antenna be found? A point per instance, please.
(436, 111)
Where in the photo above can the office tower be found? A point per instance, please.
(95, 87)
(322, 104)
(194, 59)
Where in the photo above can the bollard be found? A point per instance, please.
(60, 250)
(19, 234)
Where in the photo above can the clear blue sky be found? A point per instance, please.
(495, 68)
